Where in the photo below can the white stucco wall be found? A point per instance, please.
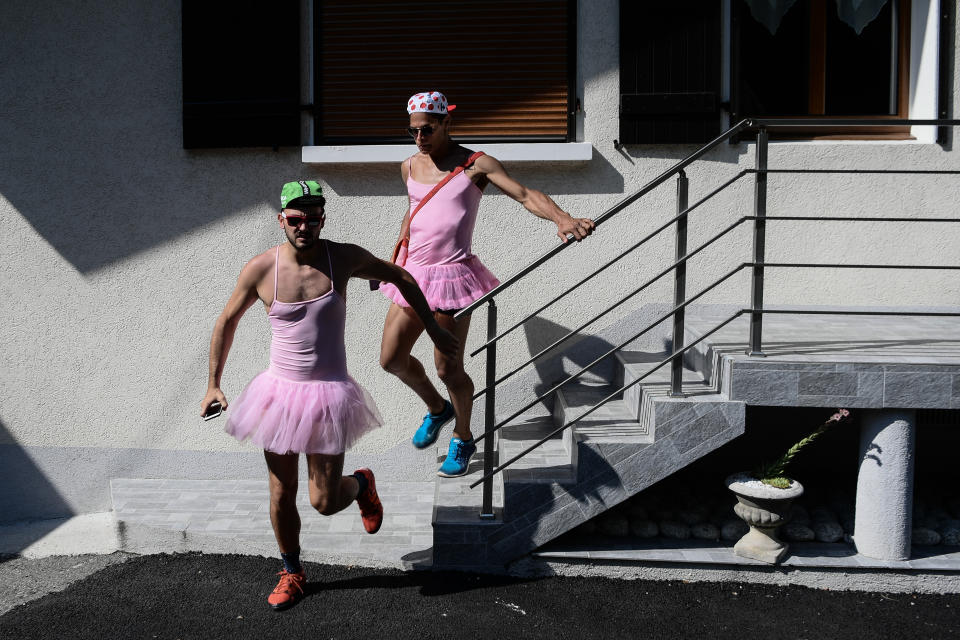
(118, 248)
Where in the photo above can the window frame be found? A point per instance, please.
(817, 85)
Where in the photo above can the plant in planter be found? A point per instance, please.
(764, 499)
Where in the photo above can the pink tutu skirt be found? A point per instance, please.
(447, 286)
(292, 416)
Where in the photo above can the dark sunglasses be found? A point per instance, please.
(425, 130)
(296, 221)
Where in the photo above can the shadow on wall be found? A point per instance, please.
(26, 493)
(597, 176)
(92, 144)
(568, 357)
(724, 153)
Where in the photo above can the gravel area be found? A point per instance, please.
(25, 579)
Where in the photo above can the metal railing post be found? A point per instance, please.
(679, 285)
(759, 244)
(486, 511)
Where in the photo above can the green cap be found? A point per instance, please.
(304, 192)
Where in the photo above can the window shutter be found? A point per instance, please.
(506, 64)
(670, 70)
(947, 10)
(241, 73)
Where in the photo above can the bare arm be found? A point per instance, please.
(242, 298)
(536, 202)
(367, 266)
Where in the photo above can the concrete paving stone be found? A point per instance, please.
(893, 367)
(145, 505)
(406, 521)
(916, 390)
(823, 383)
(343, 525)
(870, 386)
(765, 387)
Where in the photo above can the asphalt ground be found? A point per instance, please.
(224, 596)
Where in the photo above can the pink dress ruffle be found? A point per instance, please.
(311, 416)
(447, 286)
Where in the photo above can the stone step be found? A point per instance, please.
(612, 422)
(552, 461)
(632, 365)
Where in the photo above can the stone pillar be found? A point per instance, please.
(884, 517)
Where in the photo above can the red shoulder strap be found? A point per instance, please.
(405, 231)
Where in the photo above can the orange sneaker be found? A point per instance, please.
(371, 511)
(288, 590)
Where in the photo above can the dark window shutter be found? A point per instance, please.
(241, 73)
(506, 64)
(947, 11)
(670, 70)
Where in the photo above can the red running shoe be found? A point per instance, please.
(288, 590)
(371, 511)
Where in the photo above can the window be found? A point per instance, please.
(670, 70)
(241, 73)
(508, 65)
(815, 64)
(685, 65)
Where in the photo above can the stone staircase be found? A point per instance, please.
(645, 436)
(625, 446)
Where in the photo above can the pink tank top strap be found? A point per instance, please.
(329, 261)
(276, 271)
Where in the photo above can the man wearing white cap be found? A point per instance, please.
(445, 182)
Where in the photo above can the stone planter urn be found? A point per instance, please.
(764, 508)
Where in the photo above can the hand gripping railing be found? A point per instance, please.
(757, 266)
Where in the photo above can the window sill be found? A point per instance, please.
(506, 152)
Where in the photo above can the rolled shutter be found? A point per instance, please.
(670, 71)
(506, 64)
(241, 73)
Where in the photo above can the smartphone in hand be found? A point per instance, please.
(213, 411)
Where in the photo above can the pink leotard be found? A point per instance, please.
(307, 341)
(439, 255)
(306, 402)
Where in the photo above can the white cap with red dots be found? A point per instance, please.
(432, 102)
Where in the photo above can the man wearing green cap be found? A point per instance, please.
(307, 402)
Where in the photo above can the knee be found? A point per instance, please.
(452, 373)
(323, 504)
(393, 364)
(283, 495)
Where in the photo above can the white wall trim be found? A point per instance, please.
(924, 51)
(507, 152)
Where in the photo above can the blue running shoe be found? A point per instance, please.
(427, 434)
(458, 458)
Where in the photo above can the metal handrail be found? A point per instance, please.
(613, 260)
(612, 211)
(709, 288)
(624, 299)
(586, 368)
(746, 123)
(684, 260)
(757, 265)
(675, 354)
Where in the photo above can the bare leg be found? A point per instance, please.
(451, 371)
(283, 500)
(401, 330)
(330, 491)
